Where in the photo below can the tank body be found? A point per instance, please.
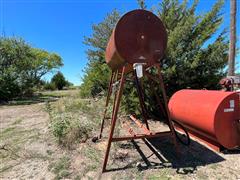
(138, 37)
(211, 114)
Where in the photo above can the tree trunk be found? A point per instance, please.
(232, 44)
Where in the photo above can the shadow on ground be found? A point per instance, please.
(189, 158)
(186, 162)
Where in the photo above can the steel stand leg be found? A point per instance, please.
(166, 107)
(107, 102)
(114, 118)
(157, 98)
(141, 99)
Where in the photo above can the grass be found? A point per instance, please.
(15, 135)
(92, 160)
(7, 132)
(60, 93)
(43, 96)
(61, 167)
(12, 139)
(92, 154)
(30, 100)
(18, 121)
(36, 155)
(7, 167)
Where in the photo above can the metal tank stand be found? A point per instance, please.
(147, 133)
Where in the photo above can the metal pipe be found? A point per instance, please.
(166, 107)
(146, 130)
(140, 136)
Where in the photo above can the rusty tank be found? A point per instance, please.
(213, 116)
(138, 37)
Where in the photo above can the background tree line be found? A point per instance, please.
(22, 67)
(58, 81)
(190, 60)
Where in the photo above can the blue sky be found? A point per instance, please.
(60, 26)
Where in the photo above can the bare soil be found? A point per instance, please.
(29, 151)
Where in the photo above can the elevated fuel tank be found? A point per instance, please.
(139, 37)
(212, 115)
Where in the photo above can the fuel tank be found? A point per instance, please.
(213, 115)
(138, 37)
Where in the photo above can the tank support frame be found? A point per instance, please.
(120, 76)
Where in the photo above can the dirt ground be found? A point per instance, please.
(29, 151)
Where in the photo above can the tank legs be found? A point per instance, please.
(114, 118)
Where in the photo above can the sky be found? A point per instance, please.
(60, 25)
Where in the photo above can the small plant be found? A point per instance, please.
(60, 126)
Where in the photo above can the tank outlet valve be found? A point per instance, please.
(139, 69)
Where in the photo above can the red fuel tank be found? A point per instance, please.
(139, 37)
(214, 115)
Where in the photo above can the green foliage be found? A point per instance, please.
(192, 60)
(97, 72)
(72, 120)
(189, 61)
(59, 80)
(21, 67)
(49, 86)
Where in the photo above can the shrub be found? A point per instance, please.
(72, 120)
(49, 86)
(59, 81)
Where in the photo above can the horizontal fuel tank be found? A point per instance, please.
(211, 114)
(138, 37)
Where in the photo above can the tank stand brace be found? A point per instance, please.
(144, 127)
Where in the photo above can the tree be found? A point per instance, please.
(59, 81)
(21, 67)
(142, 4)
(190, 60)
(232, 44)
(97, 72)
